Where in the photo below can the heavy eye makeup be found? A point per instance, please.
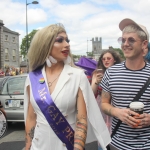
(61, 39)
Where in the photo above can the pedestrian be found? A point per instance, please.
(106, 60)
(7, 72)
(17, 71)
(2, 74)
(121, 83)
(13, 72)
(21, 71)
(58, 97)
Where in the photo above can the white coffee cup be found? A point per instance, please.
(137, 107)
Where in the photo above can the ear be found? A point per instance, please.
(145, 47)
(145, 51)
(145, 44)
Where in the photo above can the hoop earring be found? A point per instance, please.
(52, 59)
(49, 64)
(68, 60)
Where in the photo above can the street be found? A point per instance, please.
(14, 139)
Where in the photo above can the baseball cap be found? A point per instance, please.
(127, 21)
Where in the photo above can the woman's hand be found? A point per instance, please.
(97, 77)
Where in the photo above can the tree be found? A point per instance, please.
(23, 46)
(90, 54)
(120, 53)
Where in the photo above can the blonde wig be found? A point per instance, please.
(41, 45)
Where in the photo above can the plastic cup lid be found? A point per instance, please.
(136, 105)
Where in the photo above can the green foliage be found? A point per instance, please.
(23, 46)
(120, 53)
(90, 54)
(77, 57)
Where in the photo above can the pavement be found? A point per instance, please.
(16, 141)
(13, 141)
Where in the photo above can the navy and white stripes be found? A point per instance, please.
(124, 84)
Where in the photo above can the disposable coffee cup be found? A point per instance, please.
(137, 107)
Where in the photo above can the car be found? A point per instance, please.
(12, 97)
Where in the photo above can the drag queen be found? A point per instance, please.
(60, 109)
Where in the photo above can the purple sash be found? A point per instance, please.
(54, 117)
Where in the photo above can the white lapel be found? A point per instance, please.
(63, 78)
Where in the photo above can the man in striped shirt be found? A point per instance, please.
(120, 85)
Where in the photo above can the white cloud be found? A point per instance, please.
(84, 20)
(10, 12)
(34, 16)
(15, 13)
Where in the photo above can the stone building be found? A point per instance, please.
(9, 47)
(97, 47)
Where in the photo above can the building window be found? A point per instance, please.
(13, 39)
(14, 55)
(6, 54)
(6, 37)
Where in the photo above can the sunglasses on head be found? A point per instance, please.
(61, 39)
(107, 58)
(130, 40)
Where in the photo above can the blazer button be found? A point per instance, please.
(37, 139)
(64, 144)
(66, 115)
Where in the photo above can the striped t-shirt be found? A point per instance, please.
(124, 84)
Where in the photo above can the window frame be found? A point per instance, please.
(7, 54)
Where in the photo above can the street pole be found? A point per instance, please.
(87, 46)
(34, 2)
(26, 28)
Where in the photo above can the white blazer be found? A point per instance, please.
(64, 97)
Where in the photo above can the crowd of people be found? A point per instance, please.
(58, 119)
(11, 71)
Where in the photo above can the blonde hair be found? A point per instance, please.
(135, 29)
(41, 45)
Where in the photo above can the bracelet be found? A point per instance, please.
(96, 83)
(1, 106)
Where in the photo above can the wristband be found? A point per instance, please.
(1, 106)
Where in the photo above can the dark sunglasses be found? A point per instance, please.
(130, 40)
(61, 39)
(107, 58)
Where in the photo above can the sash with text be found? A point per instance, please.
(54, 117)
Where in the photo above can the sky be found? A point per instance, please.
(83, 19)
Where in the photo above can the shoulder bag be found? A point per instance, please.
(136, 98)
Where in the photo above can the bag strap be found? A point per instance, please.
(136, 98)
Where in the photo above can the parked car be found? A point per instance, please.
(12, 97)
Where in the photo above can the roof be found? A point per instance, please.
(9, 31)
(23, 64)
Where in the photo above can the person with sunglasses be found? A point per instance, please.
(58, 100)
(107, 59)
(122, 82)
